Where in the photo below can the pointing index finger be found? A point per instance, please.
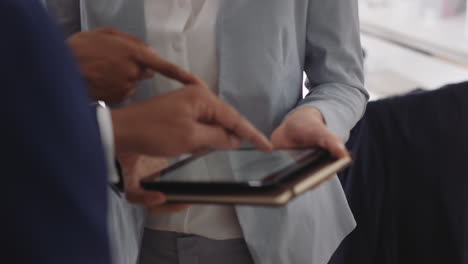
(233, 121)
(148, 57)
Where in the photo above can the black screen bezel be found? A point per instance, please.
(305, 163)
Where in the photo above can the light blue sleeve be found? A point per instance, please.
(334, 64)
(67, 13)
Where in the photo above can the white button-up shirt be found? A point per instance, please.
(183, 32)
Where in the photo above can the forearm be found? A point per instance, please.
(334, 64)
(340, 106)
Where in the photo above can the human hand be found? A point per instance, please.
(306, 128)
(134, 168)
(113, 63)
(187, 120)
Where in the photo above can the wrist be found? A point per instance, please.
(121, 135)
(309, 112)
(104, 119)
(314, 111)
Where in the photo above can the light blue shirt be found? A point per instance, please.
(264, 46)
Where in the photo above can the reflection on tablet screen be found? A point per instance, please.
(229, 166)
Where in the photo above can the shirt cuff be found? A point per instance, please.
(107, 138)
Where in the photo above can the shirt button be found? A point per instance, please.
(177, 45)
(181, 3)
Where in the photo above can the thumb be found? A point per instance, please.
(335, 146)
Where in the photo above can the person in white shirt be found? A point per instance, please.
(253, 55)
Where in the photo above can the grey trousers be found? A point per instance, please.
(160, 247)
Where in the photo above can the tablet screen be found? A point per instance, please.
(236, 166)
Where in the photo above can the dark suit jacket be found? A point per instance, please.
(53, 192)
(408, 187)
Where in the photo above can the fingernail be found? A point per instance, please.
(160, 197)
(269, 143)
(152, 50)
(344, 149)
(149, 74)
(342, 146)
(235, 142)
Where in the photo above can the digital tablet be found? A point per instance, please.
(246, 176)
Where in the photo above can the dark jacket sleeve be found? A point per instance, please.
(67, 13)
(53, 171)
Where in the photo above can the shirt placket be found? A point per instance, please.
(178, 46)
(166, 35)
(178, 50)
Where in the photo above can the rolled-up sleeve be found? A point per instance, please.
(334, 64)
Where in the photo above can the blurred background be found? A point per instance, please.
(413, 44)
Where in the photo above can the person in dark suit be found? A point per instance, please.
(408, 187)
(53, 170)
(54, 197)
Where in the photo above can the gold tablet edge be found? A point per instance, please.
(247, 199)
(321, 175)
